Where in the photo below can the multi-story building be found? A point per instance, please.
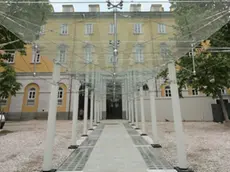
(82, 42)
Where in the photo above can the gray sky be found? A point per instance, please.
(83, 7)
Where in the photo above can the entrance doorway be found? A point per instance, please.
(113, 105)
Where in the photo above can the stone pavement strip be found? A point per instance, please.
(115, 147)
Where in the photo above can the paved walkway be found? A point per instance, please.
(115, 147)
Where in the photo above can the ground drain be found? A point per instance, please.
(78, 158)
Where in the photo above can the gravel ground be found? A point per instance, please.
(207, 145)
(22, 150)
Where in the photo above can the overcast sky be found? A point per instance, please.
(83, 7)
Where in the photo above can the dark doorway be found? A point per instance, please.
(113, 106)
(82, 102)
(114, 109)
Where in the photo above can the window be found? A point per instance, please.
(42, 29)
(62, 56)
(31, 96)
(163, 50)
(111, 28)
(139, 54)
(62, 53)
(161, 28)
(195, 92)
(89, 29)
(11, 57)
(88, 54)
(36, 57)
(137, 28)
(167, 91)
(60, 96)
(64, 29)
(3, 101)
(223, 91)
(110, 55)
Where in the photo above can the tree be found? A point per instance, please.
(212, 75)
(20, 23)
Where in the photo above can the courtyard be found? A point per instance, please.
(22, 145)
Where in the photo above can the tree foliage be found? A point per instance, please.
(19, 22)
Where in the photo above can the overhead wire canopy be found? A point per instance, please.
(93, 38)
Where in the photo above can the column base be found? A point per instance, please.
(156, 145)
(183, 169)
(91, 129)
(84, 135)
(73, 147)
(52, 170)
(143, 134)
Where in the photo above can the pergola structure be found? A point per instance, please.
(131, 69)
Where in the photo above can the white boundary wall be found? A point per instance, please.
(196, 108)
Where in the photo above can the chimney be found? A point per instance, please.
(157, 7)
(135, 7)
(67, 8)
(94, 8)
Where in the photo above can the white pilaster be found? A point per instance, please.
(51, 123)
(91, 109)
(181, 154)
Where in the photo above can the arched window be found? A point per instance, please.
(88, 54)
(31, 96)
(167, 91)
(60, 96)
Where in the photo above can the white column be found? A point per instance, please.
(51, 123)
(76, 86)
(136, 110)
(135, 101)
(85, 108)
(95, 109)
(132, 99)
(98, 111)
(151, 85)
(181, 154)
(91, 110)
(142, 111)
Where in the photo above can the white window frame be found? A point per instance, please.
(168, 91)
(223, 91)
(64, 29)
(88, 54)
(111, 28)
(31, 96)
(60, 96)
(139, 53)
(195, 92)
(36, 57)
(10, 61)
(88, 29)
(62, 55)
(161, 28)
(137, 28)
